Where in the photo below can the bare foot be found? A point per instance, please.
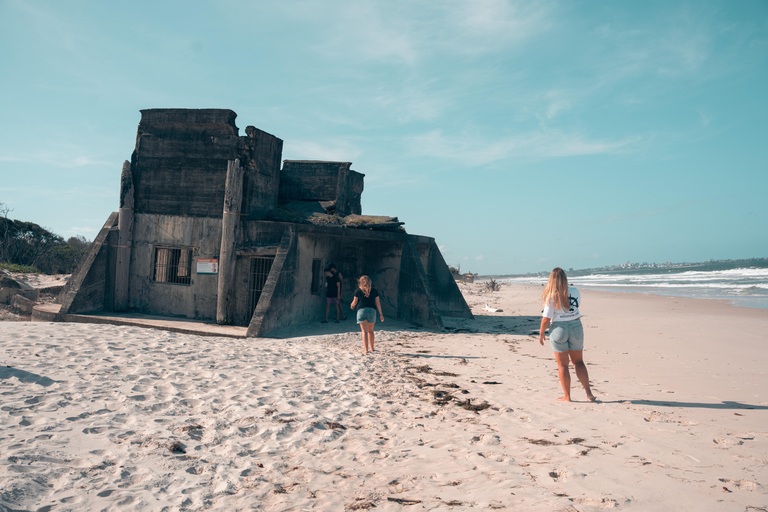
(564, 399)
(591, 397)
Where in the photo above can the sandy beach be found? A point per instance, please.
(101, 417)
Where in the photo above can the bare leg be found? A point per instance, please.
(581, 372)
(370, 336)
(327, 308)
(364, 328)
(565, 376)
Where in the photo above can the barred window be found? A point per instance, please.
(173, 265)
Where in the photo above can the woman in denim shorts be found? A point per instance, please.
(566, 334)
(368, 299)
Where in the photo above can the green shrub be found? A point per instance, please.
(13, 267)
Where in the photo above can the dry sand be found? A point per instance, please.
(99, 417)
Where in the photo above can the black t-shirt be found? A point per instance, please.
(332, 282)
(366, 302)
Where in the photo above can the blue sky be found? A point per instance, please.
(521, 135)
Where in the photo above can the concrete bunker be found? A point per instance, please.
(211, 228)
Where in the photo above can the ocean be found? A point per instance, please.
(740, 286)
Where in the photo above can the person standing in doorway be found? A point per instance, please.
(566, 335)
(332, 266)
(332, 294)
(367, 298)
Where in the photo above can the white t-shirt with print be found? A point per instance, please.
(560, 315)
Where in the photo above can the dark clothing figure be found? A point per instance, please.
(332, 283)
(366, 302)
(333, 295)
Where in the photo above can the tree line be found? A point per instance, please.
(27, 244)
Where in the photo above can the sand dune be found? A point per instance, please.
(99, 417)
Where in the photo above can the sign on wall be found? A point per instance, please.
(207, 266)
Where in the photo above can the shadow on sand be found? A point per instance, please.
(6, 372)
(494, 324)
(700, 405)
(481, 324)
(344, 326)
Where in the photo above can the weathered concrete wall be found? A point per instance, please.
(180, 162)
(200, 121)
(349, 193)
(179, 165)
(310, 180)
(7, 294)
(178, 172)
(262, 173)
(410, 290)
(196, 300)
(380, 260)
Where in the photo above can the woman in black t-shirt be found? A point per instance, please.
(368, 299)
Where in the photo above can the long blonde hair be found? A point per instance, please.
(556, 290)
(365, 284)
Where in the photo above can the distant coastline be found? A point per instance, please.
(742, 283)
(642, 268)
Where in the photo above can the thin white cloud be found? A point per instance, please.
(474, 150)
(55, 159)
(488, 26)
(705, 118)
(397, 32)
(85, 192)
(645, 213)
(415, 101)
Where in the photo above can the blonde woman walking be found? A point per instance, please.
(367, 297)
(566, 334)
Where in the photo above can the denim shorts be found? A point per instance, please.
(366, 315)
(565, 336)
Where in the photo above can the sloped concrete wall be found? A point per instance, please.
(448, 298)
(86, 289)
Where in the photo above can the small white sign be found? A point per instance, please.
(207, 266)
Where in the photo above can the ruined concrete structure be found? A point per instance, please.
(210, 227)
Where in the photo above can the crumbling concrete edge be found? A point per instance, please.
(434, 318)
(73, 286)
(258, 326)
(442, 273)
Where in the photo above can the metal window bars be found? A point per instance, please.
(259, 271)
(173, 265)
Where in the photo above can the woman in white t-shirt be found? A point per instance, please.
(566, 334)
